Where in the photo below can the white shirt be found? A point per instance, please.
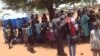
(51, 27)
(95, 39)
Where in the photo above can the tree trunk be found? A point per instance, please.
(51, 11)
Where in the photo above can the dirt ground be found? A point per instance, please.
(20, 50)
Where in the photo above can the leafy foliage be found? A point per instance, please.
(17, 4)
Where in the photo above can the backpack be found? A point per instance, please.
(74, 38)
(71, 28)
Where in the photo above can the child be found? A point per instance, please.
(25, 37)
(30, 38)
(95, 40)
(5, 34)
(38, 31)
(50, 34)
(10, 36)
(72, 29)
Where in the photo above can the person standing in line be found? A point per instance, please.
(98, 17)
(72, 28)
(44, 27)
(10, 33)
(33, 19)
(25, 36)
(92, 19)
(10, 36)
(38, 31)
(78, 21)
(62, 15)
(84, 26)
(63, 29)
(98, 14)
(59, 41)
(95, 40)
(5, 34)
(50, 34)
(30, 38)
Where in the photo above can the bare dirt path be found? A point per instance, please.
(20, 50)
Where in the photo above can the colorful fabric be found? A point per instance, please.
(84, 25)
(50, 35)
(95, 39)
(73, 27)
(38, 28)
(29, 30)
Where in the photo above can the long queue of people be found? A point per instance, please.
(62, 27)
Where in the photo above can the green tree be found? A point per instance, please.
(39, 4)
(18, 4)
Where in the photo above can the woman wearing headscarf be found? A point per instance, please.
(84, 24)
(44, 27)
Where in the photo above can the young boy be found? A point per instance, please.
(5, 34)
(10, 36)
(50, 34)
(30, 38)
(95, 40)
(38, 31)
(25, 36)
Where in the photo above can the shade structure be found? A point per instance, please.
(14, 18)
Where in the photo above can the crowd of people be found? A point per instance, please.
(64, 27)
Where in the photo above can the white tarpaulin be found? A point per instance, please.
(14, 16)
